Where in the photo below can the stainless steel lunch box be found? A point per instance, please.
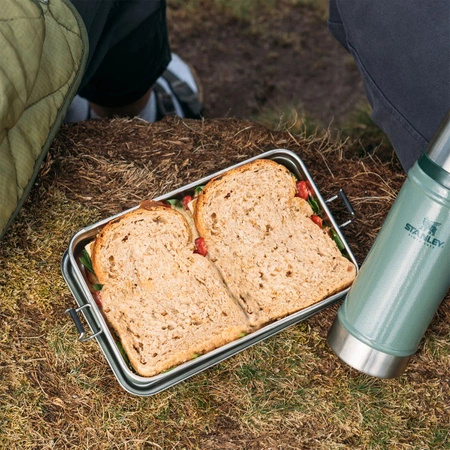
(91, 315)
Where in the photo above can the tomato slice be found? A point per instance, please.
(187, 199)
(317, 220)
(200, 246)
(302, 190)
(98, 298)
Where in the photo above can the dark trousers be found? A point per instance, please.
(402, 49)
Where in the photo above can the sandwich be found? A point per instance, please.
(183, 277)
(274, 254)
(166, 303)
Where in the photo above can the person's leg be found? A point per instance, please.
(402, 51)
(129, 51)
(127, 72)
(131, 109)
(176, 92)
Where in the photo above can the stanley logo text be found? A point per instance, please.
(425, 233)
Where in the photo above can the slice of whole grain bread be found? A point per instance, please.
(272, 256)
(165, 303)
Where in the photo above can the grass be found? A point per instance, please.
(249, 13)
(361, 136)
(364, 136)
(289, 117)
(244, 11)
(286, 392)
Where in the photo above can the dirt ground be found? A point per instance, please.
(277, 58)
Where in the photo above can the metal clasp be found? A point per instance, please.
(73, 313)
(343, 196)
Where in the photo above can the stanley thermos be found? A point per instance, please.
(406, 273)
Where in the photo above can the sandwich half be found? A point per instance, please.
(166, 303)
(273, 257)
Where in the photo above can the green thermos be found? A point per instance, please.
(406, 274)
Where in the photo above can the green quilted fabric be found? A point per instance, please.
(43, 51)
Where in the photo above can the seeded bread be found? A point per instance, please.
(166, 303)
(272, 256)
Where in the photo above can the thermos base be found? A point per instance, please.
(363, 357)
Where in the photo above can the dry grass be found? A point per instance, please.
(287, 392)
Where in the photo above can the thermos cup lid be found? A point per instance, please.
(438, 149)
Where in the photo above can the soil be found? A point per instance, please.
(283, 57)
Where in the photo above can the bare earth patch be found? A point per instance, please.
(276, 57)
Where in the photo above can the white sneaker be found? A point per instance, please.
(78, 110)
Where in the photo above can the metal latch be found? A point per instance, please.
(73, 313)
(343, 196)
